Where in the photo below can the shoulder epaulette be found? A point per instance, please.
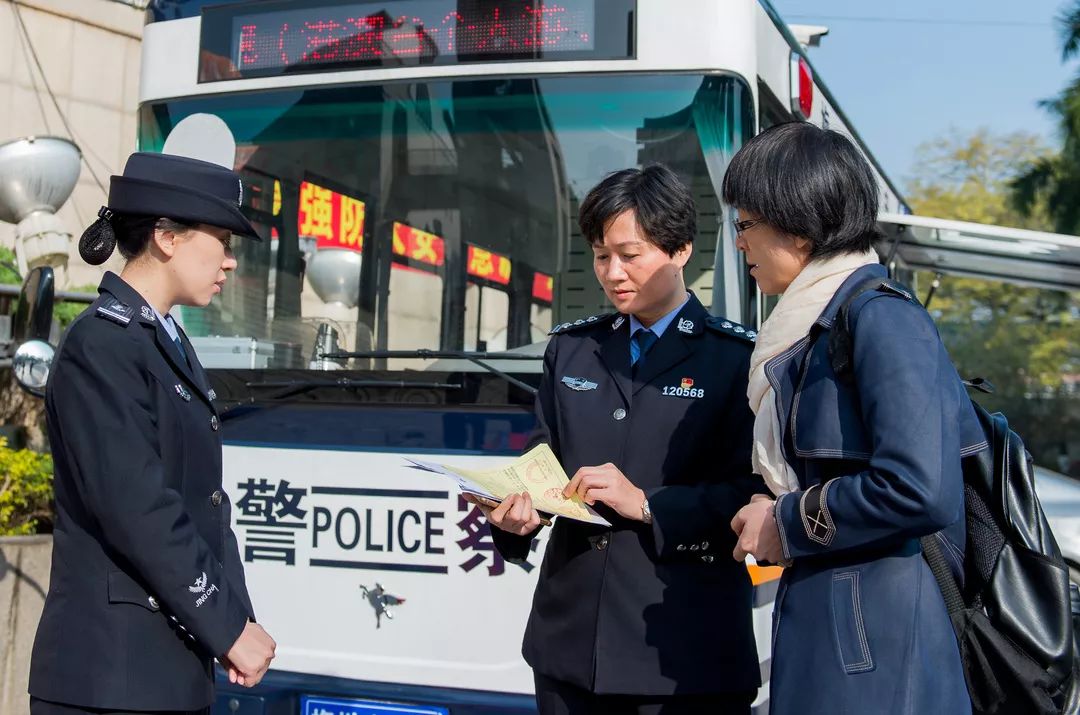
(580, 323)
(727, 327)
(116, 311)
(894, 287)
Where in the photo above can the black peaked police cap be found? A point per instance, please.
(183, 189)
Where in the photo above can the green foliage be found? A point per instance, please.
(1026, 341)
(1053, 181)
(64, 313)
(9, 271)
(967, 178)
(26, 490)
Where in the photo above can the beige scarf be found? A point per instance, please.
(798, 308)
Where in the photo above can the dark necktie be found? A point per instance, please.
(641, 341)
(180, 346)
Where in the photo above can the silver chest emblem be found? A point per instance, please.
(685, 326)
(579, 383)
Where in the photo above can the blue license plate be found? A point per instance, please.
(312, 705)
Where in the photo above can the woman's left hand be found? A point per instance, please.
(755, 527)
(606, 483)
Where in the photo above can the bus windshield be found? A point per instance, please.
(443, 214)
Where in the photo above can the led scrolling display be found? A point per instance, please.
(241, 41)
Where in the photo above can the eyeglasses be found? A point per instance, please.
(746, 225)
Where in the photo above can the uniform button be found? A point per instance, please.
(216, 498)
(214, 424)
(153, 602)
(619, 414)
(707, 559)
(681, 547)
(601, 543)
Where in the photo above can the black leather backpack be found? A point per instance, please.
(1011, 608)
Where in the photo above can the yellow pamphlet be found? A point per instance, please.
(537, 472)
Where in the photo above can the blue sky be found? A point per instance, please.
(966, 64)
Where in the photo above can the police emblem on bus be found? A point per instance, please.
(380, 600)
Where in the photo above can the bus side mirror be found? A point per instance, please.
(33, 316)
(31, 365)
(31, 327)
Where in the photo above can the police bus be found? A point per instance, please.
(416, 167)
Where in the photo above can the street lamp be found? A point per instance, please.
(37, 175)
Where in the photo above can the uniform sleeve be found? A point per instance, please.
(514, 548)
(234, 569)
(101, 401)
(697, 518)
(911, 486)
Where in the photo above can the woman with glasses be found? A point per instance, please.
(861, 466)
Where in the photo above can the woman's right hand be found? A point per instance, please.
(515, 515)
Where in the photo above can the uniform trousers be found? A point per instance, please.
(557, 697)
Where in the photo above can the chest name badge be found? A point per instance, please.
(184, 394)
(579, 383)
(685, 389)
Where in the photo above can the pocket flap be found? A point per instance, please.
(124, 589)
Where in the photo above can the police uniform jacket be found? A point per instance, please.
(147, 584)
(656, 609)
(859, 623)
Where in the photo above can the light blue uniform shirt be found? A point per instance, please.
(658, 327)
(167, 323)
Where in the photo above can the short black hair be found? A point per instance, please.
(662, 205)
(133, 233)
(808, 182)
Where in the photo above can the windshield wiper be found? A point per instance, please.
(424, 354)
(289, 388)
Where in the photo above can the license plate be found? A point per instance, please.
(311, 705)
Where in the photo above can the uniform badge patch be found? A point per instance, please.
(204, 590)
(147, 313)
(211, 394)
(685, 389)
(182, 391)
(685, 326)
(579, 383)
(618, 322)
(116, 311)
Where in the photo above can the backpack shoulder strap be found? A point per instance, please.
(840, 335)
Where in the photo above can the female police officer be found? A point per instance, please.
(646, 408)
(147, 586)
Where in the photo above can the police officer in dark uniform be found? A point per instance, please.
(647, 409)
(147, 586)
